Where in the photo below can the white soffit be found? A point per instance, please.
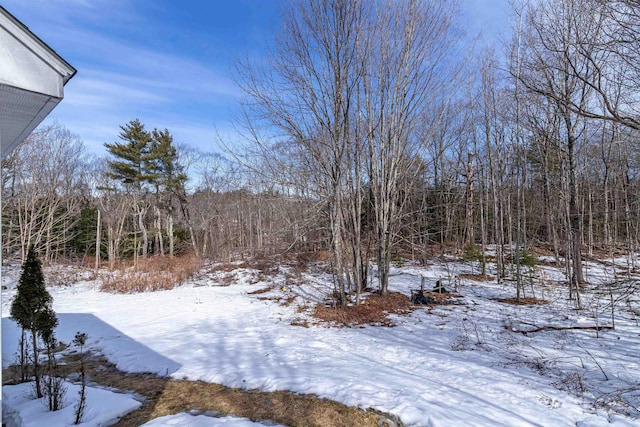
(32, 79)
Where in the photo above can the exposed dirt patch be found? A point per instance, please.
(284, 300)
(373, 310)
(523, 301)
(548, 263)
(441, 298)
(260, 291)
(227, 267)
(541, 249)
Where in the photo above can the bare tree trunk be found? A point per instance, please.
(159, 237)
(606, 206)
(141, 212)
(590, 234)
(111, 246)
(171, 237)
(36, 363)
(98, 241)
(337, 234)
(574, 209)
(469, 235)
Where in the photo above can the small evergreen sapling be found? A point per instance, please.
(31, 309)
(80, 340)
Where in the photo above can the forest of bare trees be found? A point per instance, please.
(372, 131)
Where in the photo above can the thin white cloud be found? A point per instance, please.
(145, 66)
(88, 92)
(72, 13)
(69, 30)
(120, 78)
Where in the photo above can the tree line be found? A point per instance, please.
(372, 131)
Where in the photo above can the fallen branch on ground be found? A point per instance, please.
(564, 328)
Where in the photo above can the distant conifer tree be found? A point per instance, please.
(167, 171)
(131, 156)
(145, 157)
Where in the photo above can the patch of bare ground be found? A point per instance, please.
(284, 300)
(227, 267)
(602, 253)
(441, 298)
(541, 249)
(164, 396)
(373, 310)
(260, 291)
(549, 263)
(477, 277)
(522, 301)
(309, 257)
(264, 271)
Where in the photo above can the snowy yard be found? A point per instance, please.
(469, 363)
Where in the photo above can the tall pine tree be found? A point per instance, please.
(31, 308)
(147, 166)
(170, 182)
(132, 156)
(168, 173)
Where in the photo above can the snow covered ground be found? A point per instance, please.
(448, 365)
(184, 419)
(20, 408)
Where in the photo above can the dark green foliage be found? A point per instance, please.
(527, 259)
(168, 174)
(23, 357)
(31, 309)
(147, 165)
(131, 157)
(472, 252)
(180, 233)
(146, 160)
(84, 232)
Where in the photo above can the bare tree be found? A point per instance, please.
(348, 84)
(309, 96)
(607, 59)
(550, 68)
(405, 63)
(42, 188)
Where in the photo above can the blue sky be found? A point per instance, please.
(167, 62)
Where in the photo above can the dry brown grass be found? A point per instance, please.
(166, 397)
(301, 322)
(374, 310)
(227, 267)
(152, 274)
(477, 277)
(282, 407)
(523, 301)
(307, 257)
